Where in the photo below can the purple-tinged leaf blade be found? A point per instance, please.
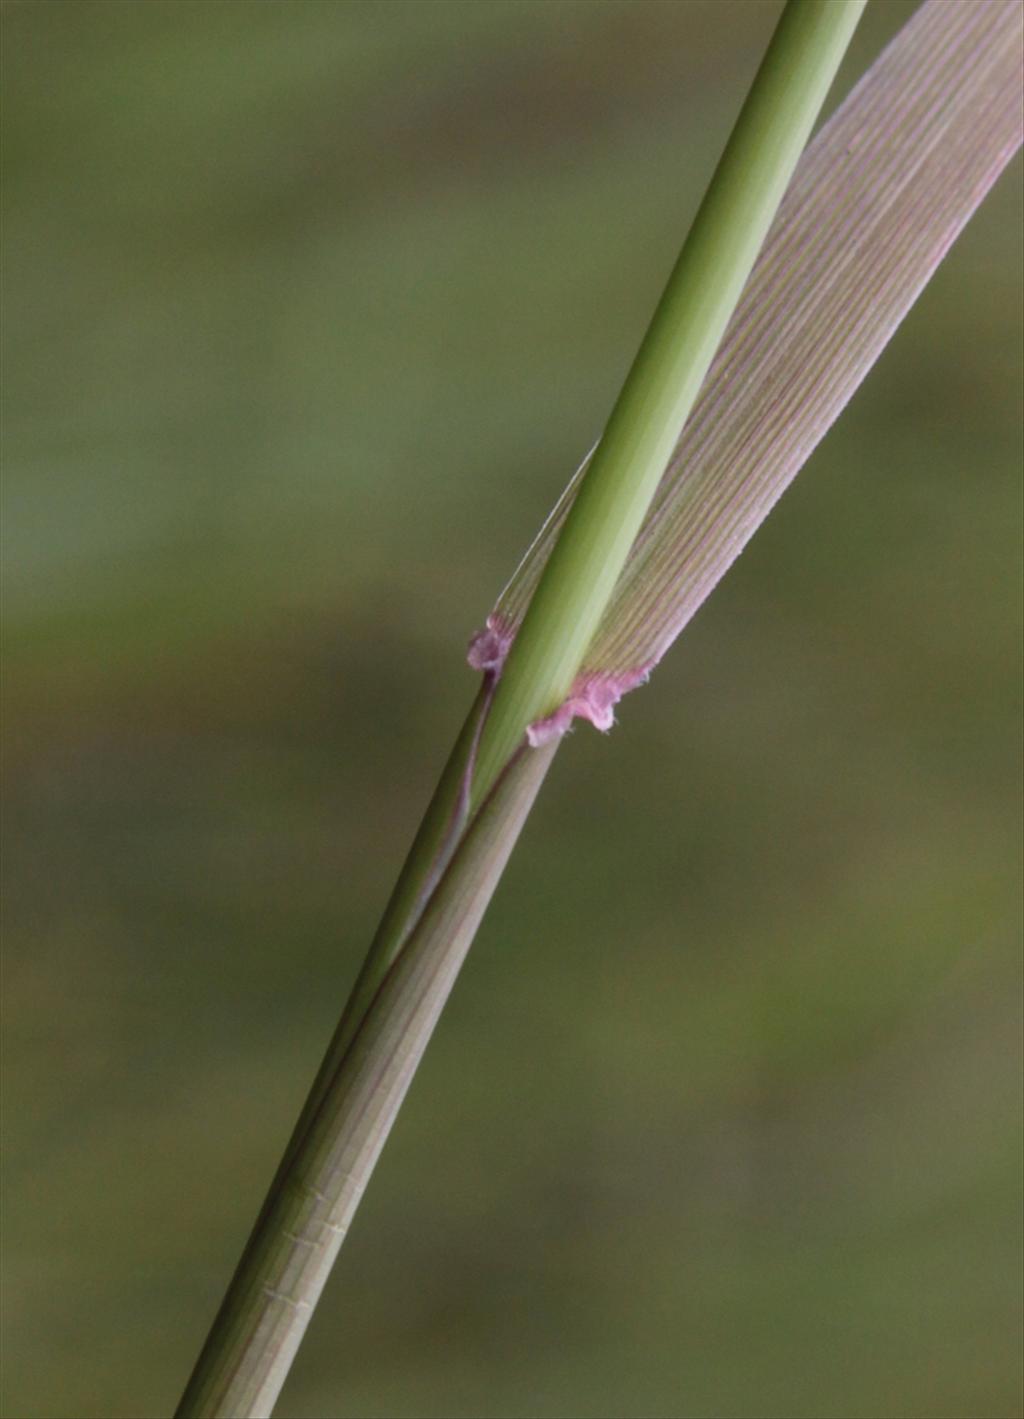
(876, 202)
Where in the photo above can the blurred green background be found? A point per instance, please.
(310, 309)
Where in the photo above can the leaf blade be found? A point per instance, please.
(919, 142)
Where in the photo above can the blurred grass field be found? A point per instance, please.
(309, 311)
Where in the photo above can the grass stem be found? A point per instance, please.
(492, 777)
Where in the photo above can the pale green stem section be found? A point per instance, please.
(663, 383)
